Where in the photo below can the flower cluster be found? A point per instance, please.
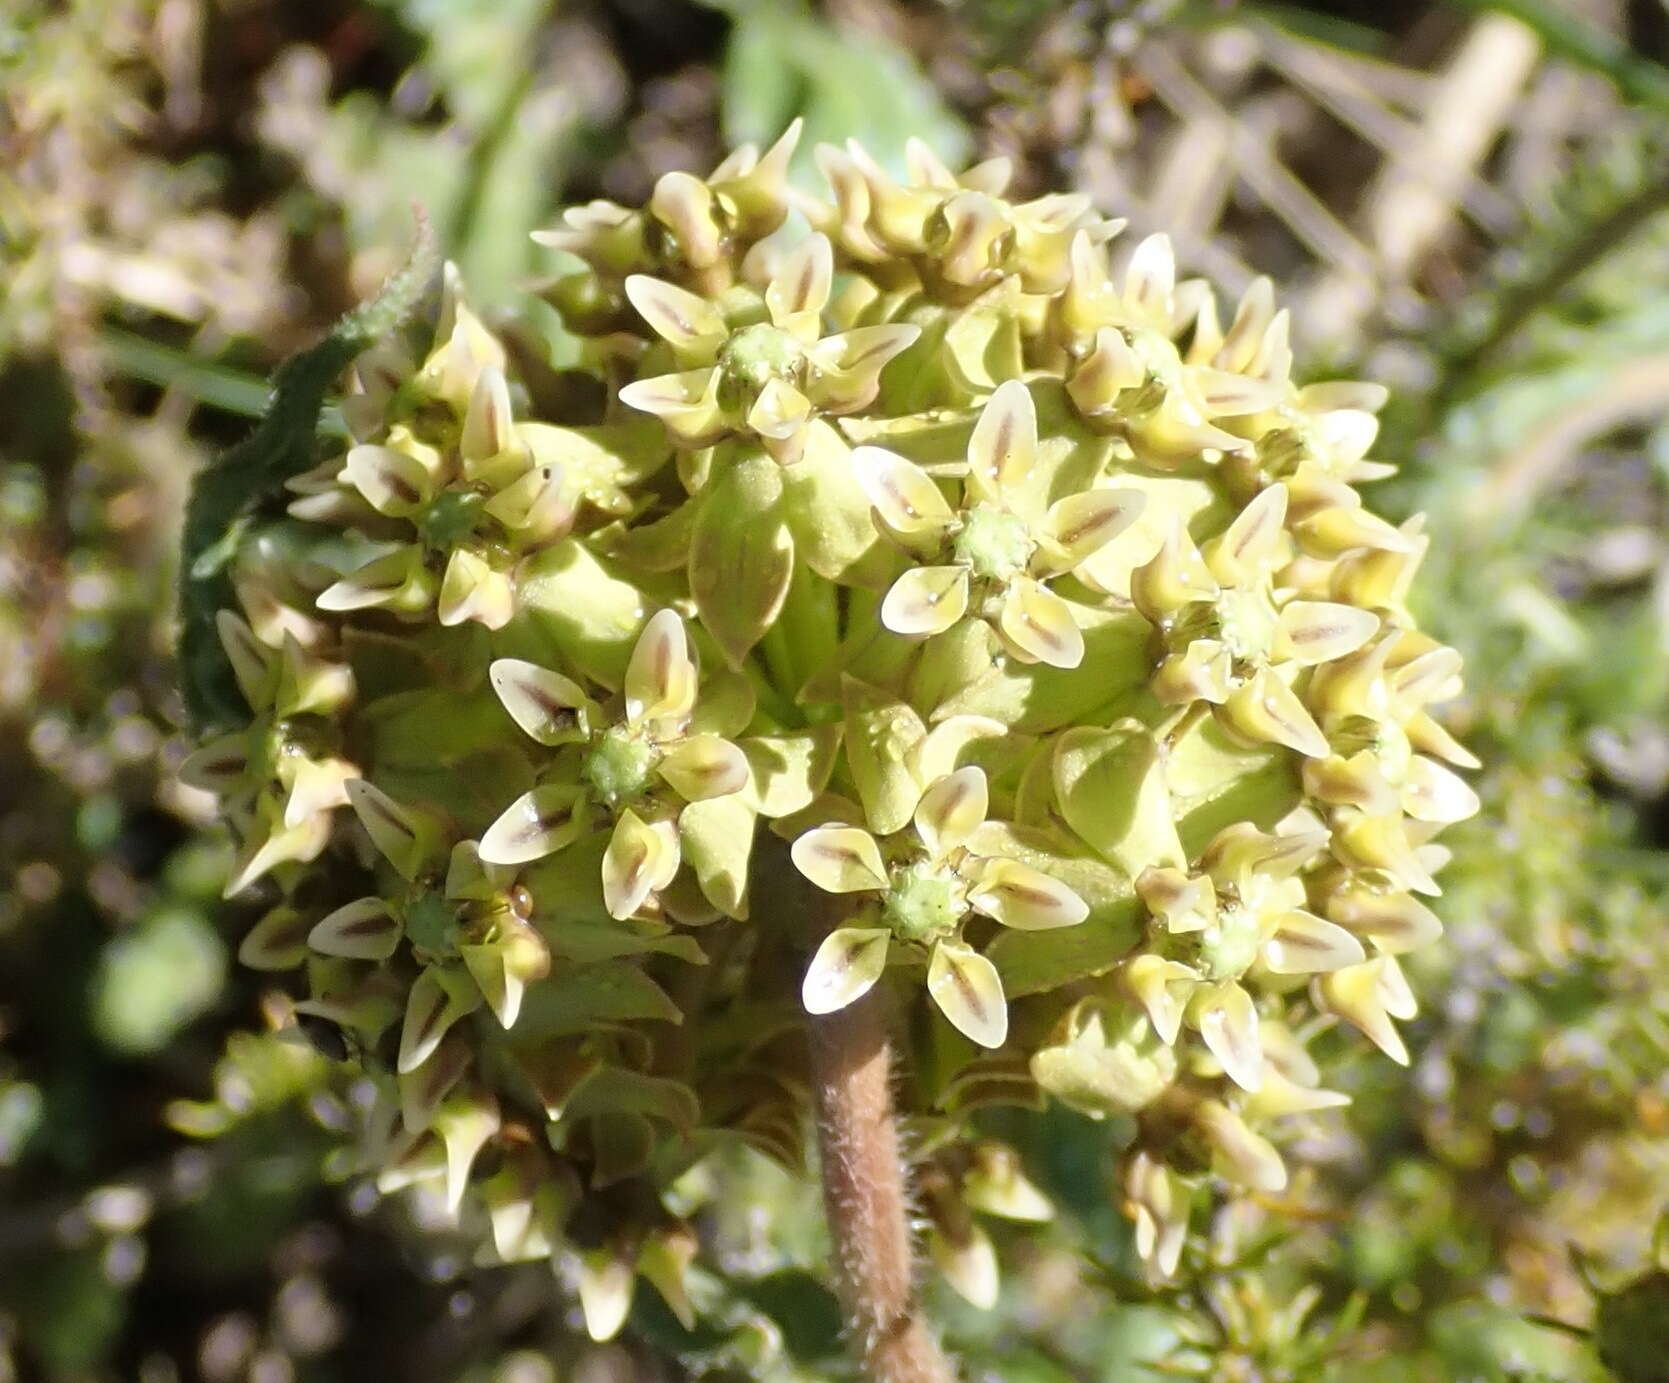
(917, 605)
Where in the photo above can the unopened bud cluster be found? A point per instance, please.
(907, 601)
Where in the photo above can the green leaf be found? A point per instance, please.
(577, 1000)
(252, 475)
(1110, 787)
(881, 730)
(590, 615)
(741, 554)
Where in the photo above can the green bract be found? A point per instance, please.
(911, 602)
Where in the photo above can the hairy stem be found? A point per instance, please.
(863, 1192)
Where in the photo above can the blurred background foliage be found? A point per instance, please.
(1468, 201)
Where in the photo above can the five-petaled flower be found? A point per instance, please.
(927, 880)
(994, 552)
(765, 377)
(639, 766)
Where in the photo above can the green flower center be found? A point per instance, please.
(619, 765)
(1229, 947)
(1246, 621)
(995, 546)
(432, 926)
(1386, 742)
(752, 358)
(451, 519)
(923, 902)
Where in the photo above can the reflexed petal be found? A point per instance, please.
(779, 412)
(364, 930)
(1317, 631)
(1226, 395)
(1395, 921)
(399, 833)
(1429, 737)
(687, 403)
(472, 590)
(1204, 671)
(969, 992)
(845, 967)
(536, 824)
(1242, 849)
(1160, 1201)
(969, 1265)
(840, 859)
(1433, 676)
(218, 766)
(848, 365)
(397, 580)
(1241, 1156)
(1175, 576)
(1381, 842)
(661, 676)
(252, 661)
(1437, 794)
(1251, 545)
(926, 600)
(464, 1124)
(1227, 1020)
(1082, 524)
(1150, 278)
(503, 968)
(1150, 979)
(1039, 623)
(691, 324)
(1106, 372)
(438, 999)
(950, 809)
(684, 204)
(1267, 711)
(536, 507)
(799, 290)
(1304, 944)
(1354, 995)
(394, 482)
(606, 1280)
(977, 238)
(1003, 446)
(489, 424)
(1180, 903)
(904, 495)
(705, 766)
(1025, 898)
(269, 843)
(640, 860)
(422, 1090)
(1252, 317)
(550, 708)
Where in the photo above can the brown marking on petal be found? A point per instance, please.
(427, 1022)
(368, 925)
(1027, 893)
(966, 988)
(808, 276)
(403, 489)
(559, 716)
(863, 357)
(1317, 633)
(540, 824)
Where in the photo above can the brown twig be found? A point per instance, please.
(864, 1194)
